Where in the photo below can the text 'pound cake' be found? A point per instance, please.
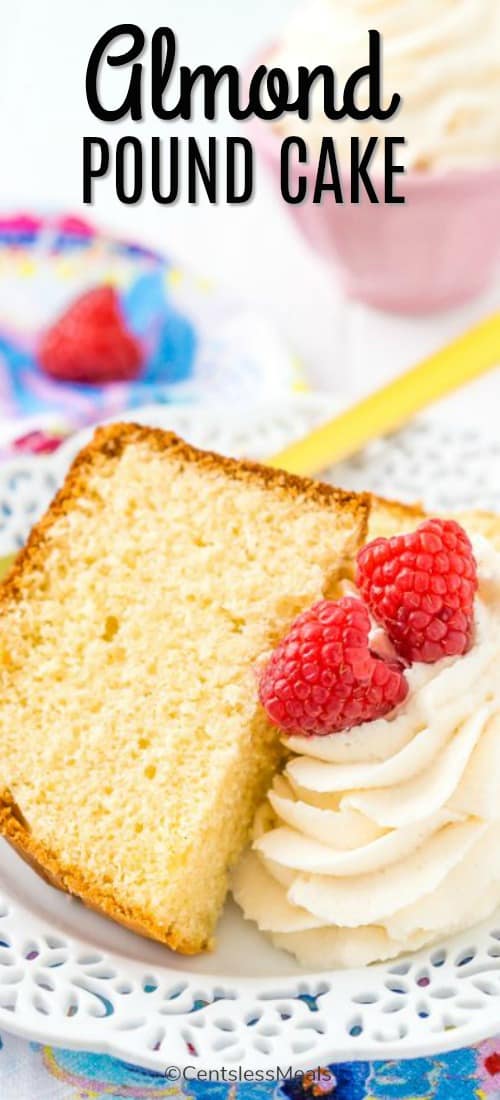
(134, 749)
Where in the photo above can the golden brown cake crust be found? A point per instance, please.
(72, 881)
(107, 445)
(109, 442)
(390, 517)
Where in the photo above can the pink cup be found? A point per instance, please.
(437, 250)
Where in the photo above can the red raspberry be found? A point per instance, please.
(421, 588)
(90, 342)
(492, 1064)
(322, 677)
(38, 442)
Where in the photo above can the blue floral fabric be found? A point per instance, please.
(29, 1071)
(198, 343)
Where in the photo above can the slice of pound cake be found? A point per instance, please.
(133, 748)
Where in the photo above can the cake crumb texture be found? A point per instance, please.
(133, 748)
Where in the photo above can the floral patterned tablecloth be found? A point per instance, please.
(31, 1072)
(200, 343)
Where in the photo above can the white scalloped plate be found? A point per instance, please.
(73, 978)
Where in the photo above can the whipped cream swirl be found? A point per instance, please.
(386, 837)
(442, 56)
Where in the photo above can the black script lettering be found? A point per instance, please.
(211, 81)
(163, 53)
(373, 71)
(132, 103)
(254, 92)
(307, 81)
(278, 91)
(277, 84)
(162, 64)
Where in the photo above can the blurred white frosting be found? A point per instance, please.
(442, 56)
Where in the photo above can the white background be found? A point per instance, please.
(254, 249)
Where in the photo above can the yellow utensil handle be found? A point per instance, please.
(5, 564)
(388, 408)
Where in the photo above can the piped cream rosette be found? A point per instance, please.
(442, 58)
(383, 838)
